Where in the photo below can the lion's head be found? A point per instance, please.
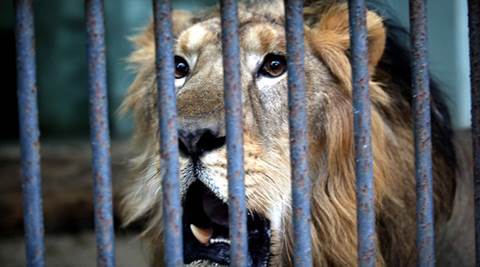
(199, 83)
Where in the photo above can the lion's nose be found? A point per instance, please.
(195, 143)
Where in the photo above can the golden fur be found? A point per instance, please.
(267, 166)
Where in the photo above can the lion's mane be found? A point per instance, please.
(334, 229)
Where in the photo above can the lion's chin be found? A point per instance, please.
(206, 231)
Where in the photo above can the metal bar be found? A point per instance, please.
(99, 133)
(234, 133)
(167, 108)
(362, 134)
(422, 131)
(29, 133)
(474, 34)
(298, 133)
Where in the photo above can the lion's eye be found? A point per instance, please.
(181, 67)
(273, 65)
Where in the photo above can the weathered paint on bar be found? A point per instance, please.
(422, 131)
(474, 34)
(167, 110)
(301, 184)
(234, 134)
(99, 133)
(29, 133)
(362, 135)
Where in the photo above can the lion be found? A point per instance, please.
(201, 119)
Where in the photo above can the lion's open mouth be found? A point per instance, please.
(206, 230)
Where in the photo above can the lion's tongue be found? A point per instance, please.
(202, 235)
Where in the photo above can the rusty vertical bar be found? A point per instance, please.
(167, 109)
(29, 133)
(99, 133)
(422, 134)
(362, 134)
(298, 133)
(234, 134)
(474, 34)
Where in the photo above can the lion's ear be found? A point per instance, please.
(330, 35)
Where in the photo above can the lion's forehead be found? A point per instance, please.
(257, 36)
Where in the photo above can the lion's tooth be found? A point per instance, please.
(219, 240)
(202, 235)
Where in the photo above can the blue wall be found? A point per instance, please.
(448, 51)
